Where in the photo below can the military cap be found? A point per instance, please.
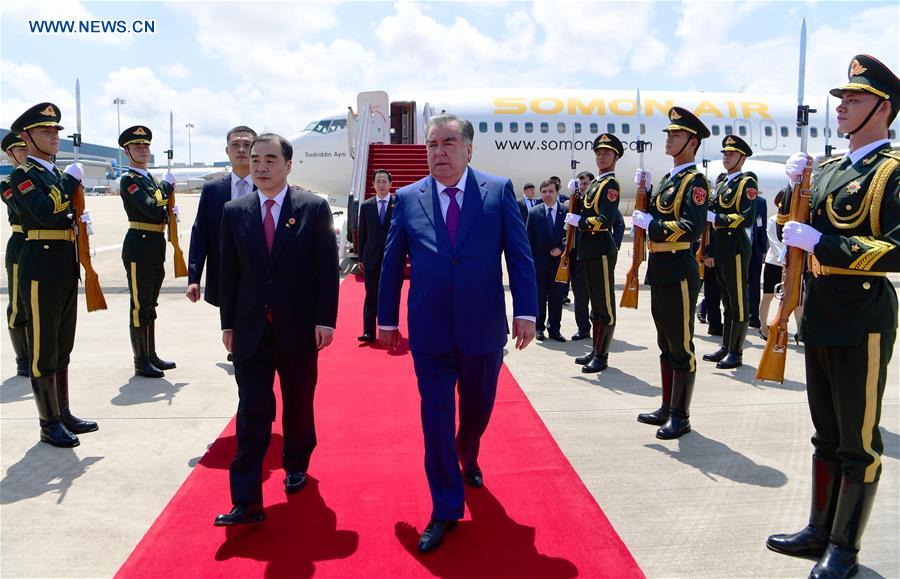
(866, 73)
(40, 115)
(684, 120)
(736, 144)
(11, 140)
(135, 135)
(609, 141)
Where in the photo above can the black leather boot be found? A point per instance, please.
(812, 541)
(726, 341)
(53, 431)
(19, 338)
(582, 360)
(659, 416)
(141, 349)
(73, 423)
(596, 364)
(854, 505)
(154, 359)
(603, 354)
(735, 356)
(680, 411)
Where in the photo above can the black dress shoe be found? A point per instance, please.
(433, 535)
(366, 338)
(294, 482)
(539, 336)
(755, 323)
(474, 478)
(230, 357)
(701, 317)
(581, 335)
(557, 337)
(714, 331)
(241, 515)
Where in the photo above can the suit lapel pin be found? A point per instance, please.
(290, 222)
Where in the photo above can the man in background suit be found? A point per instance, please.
(577, 277)
(547, 236)
(205, 232)
(528, 201)
(374, 221)
(279, 299)
(759, 246)
(454, 225)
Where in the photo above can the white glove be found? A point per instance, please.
(641, 219)
(573, 219)
(642, 177)
(710, 217)
(800, 235)
(86, 217)
(76, 170)
(795, 165)
(169, 178)
(176, 210)
(573, 186)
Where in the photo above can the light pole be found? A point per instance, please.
(189, 127)
(119, 101)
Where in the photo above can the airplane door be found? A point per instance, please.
(379, 104)
(403, 122)
(768, 135)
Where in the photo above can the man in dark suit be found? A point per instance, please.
(528, 201)
(374, 222)
(547, 236)
(279, 299)
(577, 274)
(454, 225)
(205, 232)
(760, 245)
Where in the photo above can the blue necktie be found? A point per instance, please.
(381, 204)
(550, 220)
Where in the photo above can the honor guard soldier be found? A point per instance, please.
(732, 213)
(144, 249)
(676, 217)
(17, 151)
(850, 315)
(597, 249)
(48, 270)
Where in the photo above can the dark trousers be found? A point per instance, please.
(51, 310)
(580, 295)
(370, 306)
(297, 371)
(844, 388)
(439, 376)
(754, 274)
(599, 274)
(550, 299)
(673, 307)
(731, 277)
(712, 297)
(145, 279)
(15, 310)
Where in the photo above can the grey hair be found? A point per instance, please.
(466, 130)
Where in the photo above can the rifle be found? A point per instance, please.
(772, 363)
(562, 273)
(92, 290)
(632, 281)
(180, 267)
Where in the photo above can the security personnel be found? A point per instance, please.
(17, 151)
(597, 251)
(144, 249)
(850, 316)
(48, 270)
(732, 213)
(676, 217)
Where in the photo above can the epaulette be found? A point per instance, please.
(831, 160)
(26, 166)
(891, 153)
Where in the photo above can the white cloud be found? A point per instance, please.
(175, 71)
(20, 82)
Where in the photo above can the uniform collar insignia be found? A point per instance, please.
(854, 248)
(869, 160)
(48, 111)
(856, 68)
(853, 187)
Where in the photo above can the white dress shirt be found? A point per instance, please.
(857, 155)
(276, 209)
(445, 199)
(45, 164)
(680, 168)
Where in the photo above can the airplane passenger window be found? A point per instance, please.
(545, 127)
(784, 131)
(577, 128)
(611, 128)
(813, 132)
(768, 130)
(513, 127)
(626, 128)
(798, 131)
(840, 135)
(715, 130)
(643, 129)
(728, 130)
(892, 134)
(529, 127)
(827, 132)
(561, 128)
(594, 128)
(482, 127)
(498, 127)
(742, 130)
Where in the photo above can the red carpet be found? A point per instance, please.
(367, 500)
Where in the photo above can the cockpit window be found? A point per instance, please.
(311, 126)
(326, 126)
(337, 125)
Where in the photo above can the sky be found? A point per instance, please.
(276, 66)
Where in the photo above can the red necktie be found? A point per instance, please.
(269, 225)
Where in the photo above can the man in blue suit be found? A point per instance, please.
(547, 236)
(454, 225)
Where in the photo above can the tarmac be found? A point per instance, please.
(700, 506)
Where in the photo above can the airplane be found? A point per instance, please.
(186, 178)
(531, 134)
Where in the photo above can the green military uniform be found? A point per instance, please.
(734, 207)
(48, 280)
(144, 254)
(849, 326)
(597, 255)
(678, 209)
(15, 311)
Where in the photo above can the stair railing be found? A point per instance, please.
(427, 113)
